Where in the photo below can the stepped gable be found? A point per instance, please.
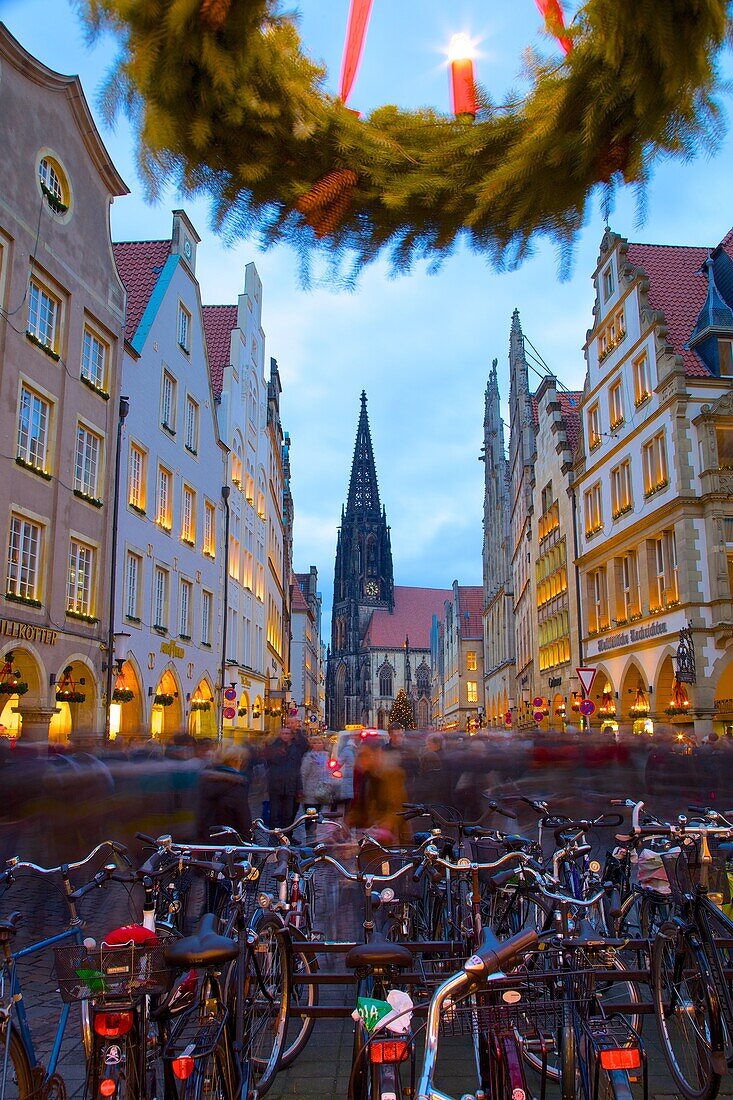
(139, 264)
(569, 405)
(411, 618)
(678, 288)
(219, 321)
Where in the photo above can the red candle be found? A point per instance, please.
(463, 89)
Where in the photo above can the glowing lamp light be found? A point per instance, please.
(463, 89)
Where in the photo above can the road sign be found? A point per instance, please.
(229, 713)
(536, 703)
(538, 716)
(586, 677)
(587, 707)
(230, 694)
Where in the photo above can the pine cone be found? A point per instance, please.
(328, 200)
(214, 13)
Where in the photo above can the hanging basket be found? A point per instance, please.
(200, 704)
(242, 711)
(162, 700)
(10, 687)
(68, 696)
(122, 695)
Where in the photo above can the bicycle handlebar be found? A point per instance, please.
(15, 864)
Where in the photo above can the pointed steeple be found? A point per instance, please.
(363, 488)
(716, 313)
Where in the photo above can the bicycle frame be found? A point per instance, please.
(15, 999)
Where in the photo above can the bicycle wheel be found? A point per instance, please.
(267, 987)
(688, 1013)
(642, 915)
(16, 1078)
(209, 1081)
(302, 995)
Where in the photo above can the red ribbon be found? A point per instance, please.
(359, 12)
(552, 14)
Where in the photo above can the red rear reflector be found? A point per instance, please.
(389, 1050)
(183, 1067)
(625, 1058)
(112, 1024)
(107, 1086)
(338, 775)
(333, 763)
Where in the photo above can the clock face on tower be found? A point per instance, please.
(371, 589)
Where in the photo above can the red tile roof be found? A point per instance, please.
(298, 601)
(471, 606)
(218, 324)
(412, 617)
(139, 264)
(678, 288)
(569, 405)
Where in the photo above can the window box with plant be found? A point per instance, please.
(162, 700)
(160, 629)
(29, 601)
(185, 637)
(591, 531)
(133, 618)
(94, 387)
(642, 399)
(656, 488)
(33, 469)
(81, 616)
(622, 511)
(122, 695)
(53, 200)
(96, 502)
(191, 450)
(137, 509)
(188, 542)
(616, 424)
(43, 347)
(167, 428)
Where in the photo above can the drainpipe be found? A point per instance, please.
(222, 672)
(122, 416)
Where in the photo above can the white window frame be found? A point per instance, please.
(207, 603)
(630, 584)
(593, 509)
(137, 477)
(191, 441)
(88, 461)
(608, 282)
(594, 427)
(24, 557)
(209, 529)
(621, 498)
(164, 499)
(185, 605)
(44, 313)
(616, 404)
(94, 358)
(642, 380)
(160, 597)
(184, 328)
(168, 401)
(133, 574)
(656, 470)
(80, 577)
(33, 436)
(51, 179)
(188, 514)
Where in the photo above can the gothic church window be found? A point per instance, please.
(385, 682)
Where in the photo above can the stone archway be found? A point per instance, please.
(126, 705)
(23, 669)
(166, 716)
(634, 704)
(76, 702)
(558, 712)
(202, 712)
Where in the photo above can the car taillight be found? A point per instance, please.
(624, 1058)
(107, 1086)
(112, 1024)
(389, 1050)
(183, 1067)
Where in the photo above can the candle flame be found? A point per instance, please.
(461, 48)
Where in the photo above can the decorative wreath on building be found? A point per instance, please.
(225, 102)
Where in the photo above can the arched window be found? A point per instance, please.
(385, 682)
(422, 678)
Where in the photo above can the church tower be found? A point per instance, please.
(363, 581)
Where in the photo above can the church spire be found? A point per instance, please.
(363, 489)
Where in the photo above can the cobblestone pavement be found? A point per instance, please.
(322, 1070)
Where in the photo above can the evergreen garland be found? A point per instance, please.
(225, 102)
(402, 711)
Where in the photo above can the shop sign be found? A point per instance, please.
(631, 637)
(172, 649)
(27, 632)
(555, 681)
(725, 705)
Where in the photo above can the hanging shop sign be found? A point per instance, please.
(10, 628)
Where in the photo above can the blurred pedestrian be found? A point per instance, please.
(380, 796)
(283, 757)
(318, 790)
(398, 750)
(224, 793)
(432, 786)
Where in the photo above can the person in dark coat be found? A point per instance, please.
(283, 756)
(224, 794)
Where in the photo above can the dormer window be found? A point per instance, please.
(608, 283)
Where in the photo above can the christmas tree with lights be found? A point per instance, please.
(402, 711)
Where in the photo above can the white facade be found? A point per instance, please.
(170, 552)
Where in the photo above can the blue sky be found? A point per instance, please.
(420, 345)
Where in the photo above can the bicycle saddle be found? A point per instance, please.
(379, 954)
(204, 948)
(9, 927)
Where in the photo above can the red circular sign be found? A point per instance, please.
(538, 716)
(508, 720)
(230, 694)
(587, 707)
(537, 702)
(229, 713)
(508, 716)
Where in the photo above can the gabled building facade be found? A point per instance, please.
(463, 659)
(498, 584)
(61, 329)
(173, 463)
(305, 648)
(654, 491)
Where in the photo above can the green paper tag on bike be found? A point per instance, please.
(372, 1011)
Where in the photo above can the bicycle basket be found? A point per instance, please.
(686, 870)
(124, 973)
